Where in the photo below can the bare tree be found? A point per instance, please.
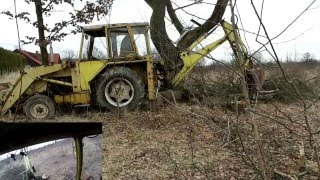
(98, 53)
(167, 50)
(46, 34)
(69, 54)
(307, 57)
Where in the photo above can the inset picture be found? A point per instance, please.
(59, 151)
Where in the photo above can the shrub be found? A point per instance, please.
(10, 61)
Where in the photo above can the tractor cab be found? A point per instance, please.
(115, 42)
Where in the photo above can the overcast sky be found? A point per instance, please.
(300, 38)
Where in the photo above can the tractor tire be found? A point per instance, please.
(119, 88)
(39, 107)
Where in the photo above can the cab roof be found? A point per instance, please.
(99, 30)
(102, 26)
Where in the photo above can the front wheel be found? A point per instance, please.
(120, 87)
(39, 107)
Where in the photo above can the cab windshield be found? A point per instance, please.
(121, 43)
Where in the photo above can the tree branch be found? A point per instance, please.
(213, 20)
(176, 22)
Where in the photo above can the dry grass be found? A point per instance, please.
(156, 145)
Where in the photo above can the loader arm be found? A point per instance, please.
(23, 82)
(192, 58)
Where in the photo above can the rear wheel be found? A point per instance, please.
(120, 87)
(39, 107)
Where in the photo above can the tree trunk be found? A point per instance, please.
(41, 28)
(168, 52)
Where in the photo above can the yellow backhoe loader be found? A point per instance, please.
(115, 69)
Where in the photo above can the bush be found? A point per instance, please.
(287, 93)
(10, 61)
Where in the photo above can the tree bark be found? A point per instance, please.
(41, 28)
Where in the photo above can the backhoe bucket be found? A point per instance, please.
(256, 78)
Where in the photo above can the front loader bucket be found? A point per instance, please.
(4, 87)
(23, 82)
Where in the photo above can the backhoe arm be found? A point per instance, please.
(192, 58)
(231, 35)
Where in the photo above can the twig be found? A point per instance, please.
(166, 150)
(284, 175)
(240, 59)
